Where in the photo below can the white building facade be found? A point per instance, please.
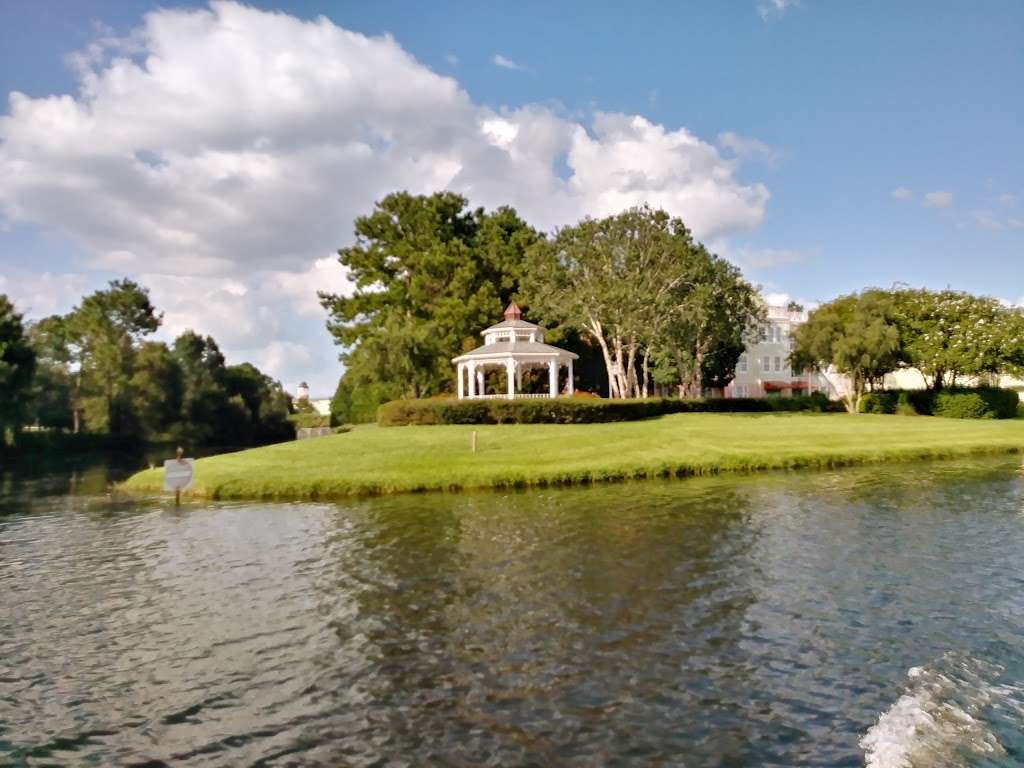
(763, 369)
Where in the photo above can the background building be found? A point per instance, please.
(763, 369)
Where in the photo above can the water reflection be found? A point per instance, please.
(721, 621)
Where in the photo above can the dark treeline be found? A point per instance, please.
(95, 371)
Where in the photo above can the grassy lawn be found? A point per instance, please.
(372, 460)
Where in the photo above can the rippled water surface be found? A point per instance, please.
(871, 616)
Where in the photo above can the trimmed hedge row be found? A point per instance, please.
(567, 410)
(977, 403)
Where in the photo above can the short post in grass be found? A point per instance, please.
(472, 441)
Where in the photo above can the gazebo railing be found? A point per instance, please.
(517, 396)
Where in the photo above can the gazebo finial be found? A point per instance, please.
(513, 312)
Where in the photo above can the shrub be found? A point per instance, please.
(586, 410)
(879, 402)
(817, 402)
(977, 403)
(905, 405)
(961, 405)
(980, 403)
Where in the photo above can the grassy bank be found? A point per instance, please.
(373, 460)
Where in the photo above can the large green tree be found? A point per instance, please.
(208, 413)
(227, 404)
(645, 292)
(266, 402)
(106, 329)
(52, 402)
(854, 335)
(712, 312)
(157, 389)
(429, 274)
(17, 366)
(951, 334)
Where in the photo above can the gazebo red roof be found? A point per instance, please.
(513, 312)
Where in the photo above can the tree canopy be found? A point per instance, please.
(950, 334)
(950, 337)
(17, 366)
(855, 335)
(429, 274)
(640, 287)
(104, 332)
(98, 372)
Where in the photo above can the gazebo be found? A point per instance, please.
(514, 345)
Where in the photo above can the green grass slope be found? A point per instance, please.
(373, 460)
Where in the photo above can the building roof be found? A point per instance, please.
(511, 324)
(516, 349)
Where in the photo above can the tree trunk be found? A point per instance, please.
(698, 363)
(646, 373)
(631, 379)
(622, 381)
(597, 331)
(853, 397)
(684, 375)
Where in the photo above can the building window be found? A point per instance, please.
(778, 363)
(766, 363)
(741, 366)
(741, 390)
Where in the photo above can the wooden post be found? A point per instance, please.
(177, 492)
(472, 441)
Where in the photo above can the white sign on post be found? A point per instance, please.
(178, 474)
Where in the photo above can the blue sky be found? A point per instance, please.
(840, 145)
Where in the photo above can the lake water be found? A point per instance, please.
(861, 617)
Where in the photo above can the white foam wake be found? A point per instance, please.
(940, 718)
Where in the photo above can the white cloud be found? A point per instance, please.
(777, 299)
(766, 258)
(38, 294)
(902, 193)
(782, 299)
(768, 9)
(221, 156)
(506, 63)
(938, 199)
(744, 147)
(1007, 199)
(986, 220)
(452, 59)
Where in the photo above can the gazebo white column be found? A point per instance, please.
(460, 386)
(571, 387)
(471, 371)
(553, 378)
(480, 388)
(510, 370)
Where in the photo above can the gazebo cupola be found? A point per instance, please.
(515, 345)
